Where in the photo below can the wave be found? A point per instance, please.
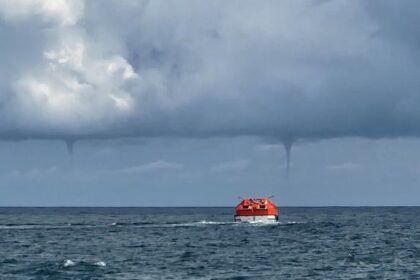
(143, 224)
(204, 222)
(100, 263)
(292, 222)
(47, 226)
(70, 263)
(170, 224)
(32, 226)
(132, 223)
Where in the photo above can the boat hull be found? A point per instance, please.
(257, 218)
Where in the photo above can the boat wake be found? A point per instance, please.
(145, 224)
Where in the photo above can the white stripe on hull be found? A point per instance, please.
(265, 218)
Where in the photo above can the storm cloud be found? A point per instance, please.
(281, 70)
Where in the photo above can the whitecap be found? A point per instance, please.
(100, 263)
(68, 263)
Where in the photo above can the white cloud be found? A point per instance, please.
(61, 11)
(159, 165)
(230, 166)
(76, 88)
(346, 166)
(35, 172)
(270, 147)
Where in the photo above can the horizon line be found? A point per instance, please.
(205, 206)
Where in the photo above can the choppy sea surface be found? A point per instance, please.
(204, 243)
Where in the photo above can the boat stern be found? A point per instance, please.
(256, 210)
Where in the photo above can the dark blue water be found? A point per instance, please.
(204, 243)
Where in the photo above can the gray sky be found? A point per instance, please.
(192, 102)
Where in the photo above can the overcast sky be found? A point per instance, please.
(180, 103)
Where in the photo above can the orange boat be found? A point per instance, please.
(256, 209)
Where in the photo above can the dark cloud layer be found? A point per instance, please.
(282, 70)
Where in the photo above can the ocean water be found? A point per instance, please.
(204, 243)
